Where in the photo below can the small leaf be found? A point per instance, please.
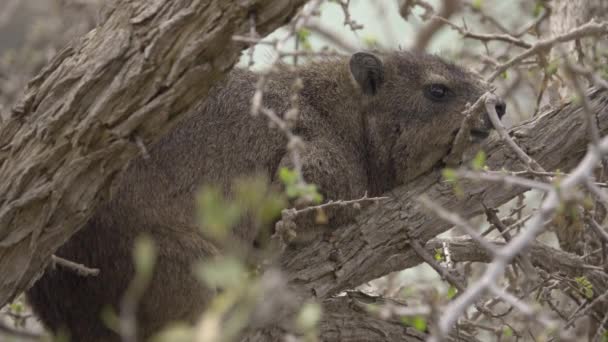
(586, 286)
(480, 161)
(507, 331)
(226, 272)
(288, 176)
(175, 332)
(438, 254)
(144, 255)
(370, 41)
(303, 35)
(449, 174)
(477, 4)
(313, 192)
(292, 191)
(419, 323)
(538, 9)
(552, 68)
(16, 307)
(452, 291)
(309, 316)
(216, 214)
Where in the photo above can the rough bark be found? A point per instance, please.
(377, 243)
(346, 318)
(566, 15)
(134, 76)
(545, 257)
(83, 117)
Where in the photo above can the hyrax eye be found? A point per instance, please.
(436, 92)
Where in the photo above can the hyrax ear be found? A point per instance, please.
(368, 71)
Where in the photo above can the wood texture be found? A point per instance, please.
(377, 243)
(81, 118)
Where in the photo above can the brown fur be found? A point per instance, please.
(370, 132)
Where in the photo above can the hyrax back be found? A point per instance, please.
(369, 122)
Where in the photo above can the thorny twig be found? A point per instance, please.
(522, 241)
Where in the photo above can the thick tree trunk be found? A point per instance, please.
(83, 117)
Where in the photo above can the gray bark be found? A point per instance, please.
(567, 15)
(134, 76)
(77, 126)
(378, 242)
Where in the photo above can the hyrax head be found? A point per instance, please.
(413, 104)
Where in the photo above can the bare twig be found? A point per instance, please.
(592, 28)
(448, 8)
(79, 269)
(484, 37)
(491, 102)
(519, 243)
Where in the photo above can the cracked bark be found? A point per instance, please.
(77, 126)
(377, 242)
(133, 77)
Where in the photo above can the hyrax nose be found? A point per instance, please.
(501, 108)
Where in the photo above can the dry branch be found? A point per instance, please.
(348, 318)
(131, 78)
(378, 242)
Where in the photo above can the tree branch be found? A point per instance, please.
(377, 242)
(130, 79)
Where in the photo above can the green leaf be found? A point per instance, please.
(16, 307)
(225, 272)
(303, 35)
(418, 322)
(217, 215)
(370, 41)
(452, 291)
(552, 68)
(438, 254)
(256, 196)
(175, 332)
(449, 174)
(288, 176)
(586, 286)
(538, 9)
(144, 255)
(507, 331)
(480, 161)
(292, 191)
(270, 208)
(477, 4)
(312, 191)
(309, 317)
